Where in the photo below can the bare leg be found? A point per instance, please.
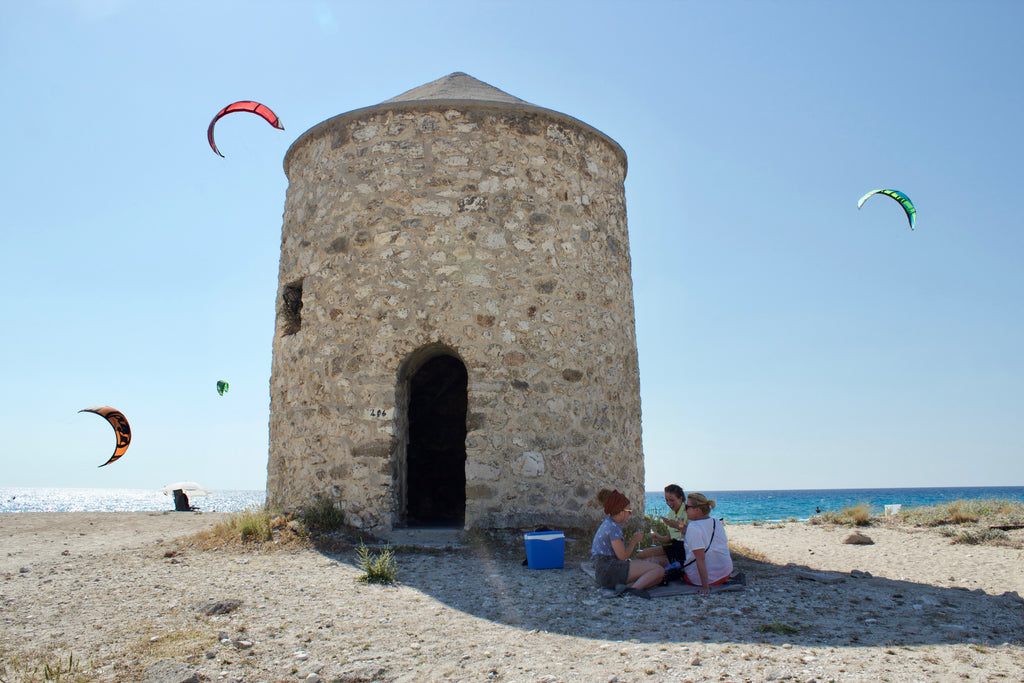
(654, 554)
(644, 574)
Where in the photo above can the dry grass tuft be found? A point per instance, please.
(258, 529)
(746, 553)
(983, 536)
(989, 512)
(856, 515)
(252, 526)
(971, 522)
(179, 645)
(44, 667)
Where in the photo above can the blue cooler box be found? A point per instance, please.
(545, 549)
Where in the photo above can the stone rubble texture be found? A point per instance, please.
(456, 220)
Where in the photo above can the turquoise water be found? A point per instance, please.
(800, 504)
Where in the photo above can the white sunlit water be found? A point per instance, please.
(30, 499)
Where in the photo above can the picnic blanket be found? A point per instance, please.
(735, 583)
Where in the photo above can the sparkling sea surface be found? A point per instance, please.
(31, 499)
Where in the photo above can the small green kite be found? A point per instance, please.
(903, 199)
(222, 387)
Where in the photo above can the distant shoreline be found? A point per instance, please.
(736, 507)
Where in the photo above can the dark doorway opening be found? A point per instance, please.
(436, 453)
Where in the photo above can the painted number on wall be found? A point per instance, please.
(378, 412)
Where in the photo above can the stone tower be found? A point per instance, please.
(455, 342)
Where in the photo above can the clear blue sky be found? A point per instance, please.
(786, 339)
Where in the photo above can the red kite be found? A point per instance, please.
(121, 429)
(244, 105)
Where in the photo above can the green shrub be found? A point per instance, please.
(377, 567)
(323, 515)
(781, 628)
(646, 524)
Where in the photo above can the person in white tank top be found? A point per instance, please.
(708, 561)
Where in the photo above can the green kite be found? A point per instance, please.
(903, 199)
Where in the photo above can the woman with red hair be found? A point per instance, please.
(610, 554)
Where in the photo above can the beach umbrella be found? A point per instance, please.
(190, 488)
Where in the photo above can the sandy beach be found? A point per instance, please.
(125, 599)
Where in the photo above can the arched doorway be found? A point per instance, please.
(436, 451)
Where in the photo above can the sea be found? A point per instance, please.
(801, 504)
(120, 500)
(732, 506)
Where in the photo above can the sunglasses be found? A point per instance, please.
(691, 507)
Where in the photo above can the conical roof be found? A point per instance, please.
(456, 86)
(454, 90)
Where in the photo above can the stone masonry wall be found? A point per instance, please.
(497, 234)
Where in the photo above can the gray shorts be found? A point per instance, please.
(610, 570)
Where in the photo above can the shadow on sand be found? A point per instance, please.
(490, 581)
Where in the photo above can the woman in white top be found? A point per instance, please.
(708, 562)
